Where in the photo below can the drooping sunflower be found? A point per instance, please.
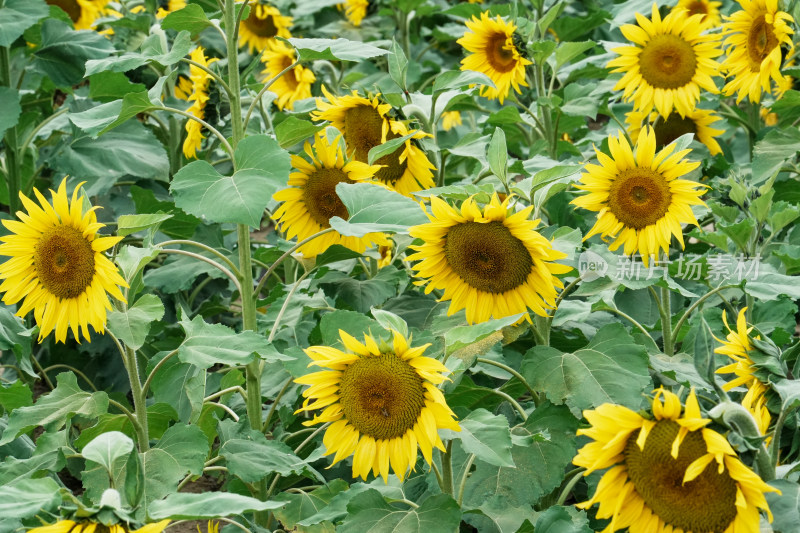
(90, 526)
(365, 124)
(697, 122)
(660, 476)
(492, 263)
(57, 267)
(707, 8)
(310, 200)
(292, 86)
(382, 400)
(670, 62)
(493, 52)
(451, 119)
(354, 10)
(639, 197)
(195, 90)
(165, 7)
(83, 13)
(259, 30)
(754, 38)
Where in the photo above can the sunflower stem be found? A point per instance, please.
(576, 474)
(666, 321)
(775, 447)
(447, 469)
(464, 477)
(514, 373)
(11, 151)
(138, 393)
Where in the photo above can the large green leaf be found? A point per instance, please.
(191, 18)
(299, 506)
(363, 294)
(132, 326)
(252, 460)
(785, 506)
(773, 150)
(27, 497)
(181, 450)
(356, 324)
(368, 512)
(563, 520)
(9, 103)
(181, 506)
(16, 16)
(107, 448)
(56, 408)
(13, 469)
(64, 52)
(374, 208)
(611, 368)
(262, 168)
(334, 49)
(486, 435)
(152, 51)
(16, 338)
(15, 395)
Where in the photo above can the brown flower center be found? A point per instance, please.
(363, 131)
(70, 7)
(707, 503)
(639, 197)
(320, 196)
(667, 62)
(262, 27)
(500, 53)
(672, 128)
(64, 262)
(381, 396)
(698, 8)
(761, 41)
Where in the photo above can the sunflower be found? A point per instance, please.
(259, 30)
(382, 400)
(195, 90)
(697, 122)
(311, 200)
(708, 10)
(165, 7)
(364, 123)
(385, 255)
(90, 526)
(354, 10)
(494, 53)
(57, 265)
(781, 86)
(669, 64)
(661, 479)
(491, 263)
(754, 38)
(451, 119)
(639, 199)
(292, 86)
(83, 13)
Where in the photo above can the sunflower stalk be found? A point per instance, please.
(11, 149)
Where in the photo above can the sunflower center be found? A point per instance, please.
(707, 503)
(761, 41)
(500, 54)
(667, 62)
(381, 396)
(363, 131)
(487, 256)
(697, 8)
(70, 7)
(672, 128)
(64, 262)
(638, 197)
(262, 27)
(320, 195)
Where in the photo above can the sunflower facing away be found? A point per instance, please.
(165, 7)
(57, 266)
(311, 200)
(754, 38)
(292, 86)
(670, 62)
(195, 90)
(354, 10)
(708, 9)
(670, 474)
(639, 199)
(83, 13)
(90, 526)
(491, 263)
(697, 122)
(451, 119)
(364, 123)
(493, 52)
(259, 30)
(382, 400)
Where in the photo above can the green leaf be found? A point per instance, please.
(64, 52)
(107, 448)
(16, 16)
(180, 385)
(294, 130)
(374, 208)
(785, 507)
(134, 479)
(15, 395)
(334, 254)
(27, 497)
(566, 51)
(56, 408)
(462, 336)
(182, 506)
(159, 416)
(486, 435)
(132, 326)
(770, 153)
(127, 224)
(207, 345)
(191, 18)
(151, 52)
(13, 469)
(389, 147)
(334, 49)
(15, 337)
(368, 512)
(263, 167)
(457, 79)
(770, 285)
(390, 321)
(398, 65)
(181, 450)
(363, 294)
(9, 103)
(107, 86)
(303, 505)
(612, 368)
(252, 460)
(563, 520)
(356, 324)
(497, 154)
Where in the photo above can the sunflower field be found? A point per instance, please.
(399, 266)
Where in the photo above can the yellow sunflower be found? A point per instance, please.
(661, 478)
(491, 263)
(781, 86)
(386, 255)
(354, 10)
(165, 7)
(259, 30)
(754, 38)
(382, 400)
(311, 200)
(57, 266)
(708, 9)
(451, 119)
(364, 124)
(670, 62)
(639, 199)
(493, 52)
(292, 86)
(698, 122)
(90, 526)
(195, 90)
(83, 13)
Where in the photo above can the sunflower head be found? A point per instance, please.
(292, 86)
(493, 51)
(451, 119)
(354, 10)
(698, 123)
(668, 472)
(56, 265)
(639, 195)
(707, 9)
(83, 13)
(195, 90)
(260, 28)
(165, 7)
(382, 401)
(92, 526)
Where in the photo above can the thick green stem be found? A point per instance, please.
(447, 469)
(11, 151)
(138, 393)
(666, 318)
